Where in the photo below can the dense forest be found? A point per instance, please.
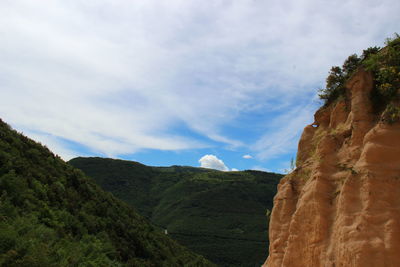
(220, 215)
(51, 214)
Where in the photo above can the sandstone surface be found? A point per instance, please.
(341, 205)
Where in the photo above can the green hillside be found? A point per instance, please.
(221, 215)
(51, 214)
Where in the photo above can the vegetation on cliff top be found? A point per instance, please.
(384, 64)
(221, 215)
(51, 214)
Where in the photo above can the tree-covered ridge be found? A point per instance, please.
(51, 214)
(384, 64)
(221, 215)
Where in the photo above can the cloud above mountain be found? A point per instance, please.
(212, 162)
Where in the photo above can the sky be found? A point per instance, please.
(228, 85)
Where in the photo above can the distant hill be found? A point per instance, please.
(51, 214)
(221, 215)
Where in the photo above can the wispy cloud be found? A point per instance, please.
(286, 131)
(120, 76)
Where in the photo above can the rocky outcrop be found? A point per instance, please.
(341, 205)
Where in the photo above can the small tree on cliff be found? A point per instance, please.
(350, 65)
(337, 78)
(369, 51)
(334, 85)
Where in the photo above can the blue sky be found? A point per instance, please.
(177, 82)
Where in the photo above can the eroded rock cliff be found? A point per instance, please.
(341, 205)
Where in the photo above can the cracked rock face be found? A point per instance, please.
(341, 205)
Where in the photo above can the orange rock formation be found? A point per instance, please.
(341, 205)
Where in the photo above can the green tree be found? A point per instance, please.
(334, 85)
(369, 51)
(350, 65)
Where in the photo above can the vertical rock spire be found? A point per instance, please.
(341, 205)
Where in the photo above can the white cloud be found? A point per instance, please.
(234, 170)
(212, 162)
(120, 76)
(247, 156)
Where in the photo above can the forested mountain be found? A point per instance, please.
(221, 215)
(51, 214)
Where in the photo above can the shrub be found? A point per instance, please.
(369, 52)
(384, 64)
(350, 65)
(334, 85)
(336, 79)
(391, 114)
